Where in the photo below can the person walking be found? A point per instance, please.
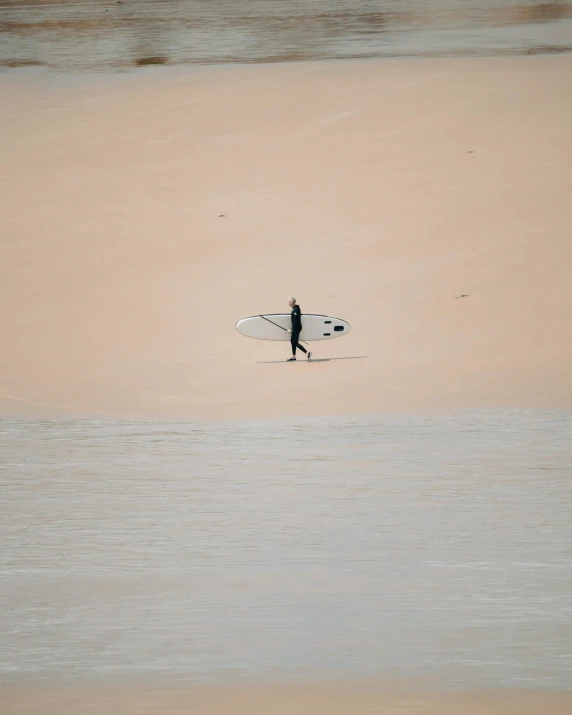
(296, 329)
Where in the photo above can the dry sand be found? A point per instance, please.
(330, 699)
(144, 215)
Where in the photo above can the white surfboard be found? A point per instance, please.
(275, 326)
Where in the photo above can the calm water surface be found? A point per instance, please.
(419, 546)
(106, 34)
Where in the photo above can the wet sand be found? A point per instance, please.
(112, 35)
(427, 202)
(434, 547)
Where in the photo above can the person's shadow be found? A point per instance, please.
(302, 359)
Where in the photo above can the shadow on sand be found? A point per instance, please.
(310, 362)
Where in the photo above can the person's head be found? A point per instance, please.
(291, 302)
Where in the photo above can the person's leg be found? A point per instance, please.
(300, 347)
(293, 343)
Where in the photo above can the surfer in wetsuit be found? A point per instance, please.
(296, 329)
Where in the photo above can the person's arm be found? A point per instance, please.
(297, 319)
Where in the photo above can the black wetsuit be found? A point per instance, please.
(296, 316)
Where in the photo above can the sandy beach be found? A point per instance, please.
(424, 201)
(151, 568)
(330, 699)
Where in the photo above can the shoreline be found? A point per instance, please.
(11, 67)
(222, 32)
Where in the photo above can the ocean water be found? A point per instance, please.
(111, 35)
(435, 546)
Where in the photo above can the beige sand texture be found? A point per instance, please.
(144, 215)
(326, 699)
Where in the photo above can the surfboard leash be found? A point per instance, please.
(279, 326)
